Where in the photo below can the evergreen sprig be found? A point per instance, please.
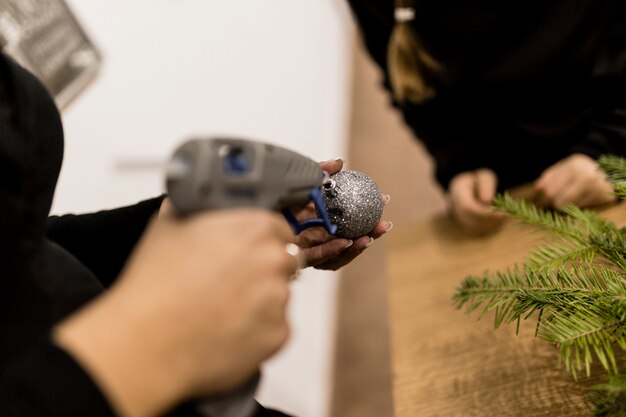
(574, 285)
(609, 398)
(615, 169)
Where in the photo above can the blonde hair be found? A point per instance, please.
(412, 70)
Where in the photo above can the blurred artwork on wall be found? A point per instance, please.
(45, 37)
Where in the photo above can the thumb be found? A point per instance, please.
(486, 185)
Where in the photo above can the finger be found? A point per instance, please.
(332, 166)
(281, 228)
(338, 262)
(551, 182)
(598, 189)
(381, 228)
(587, 191)
(546, 195)
(486, 184)
(313, 236)
(463, 195)
(474, 217)
(325, 251)
(599, 196)
(361, 243)
(306, 212)
(348, 255)
(276, 259)
(571, 193)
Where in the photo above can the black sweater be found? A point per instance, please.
(527, 82)
(49, 267)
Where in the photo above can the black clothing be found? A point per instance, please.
(49, 267)
(525, 83)
(40, 281)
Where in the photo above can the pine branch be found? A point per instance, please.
(475, 292)
(514, 295)
(583, 310)
(549, 257)
(585, 329)
(582, 231)
(505, 285)
(577, 284)
(527, 213)
(609, 398)
(619, 190)
(611, 244)
(615, 169)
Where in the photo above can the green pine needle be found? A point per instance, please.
(609, 398)
(615, 169)
(576, 282)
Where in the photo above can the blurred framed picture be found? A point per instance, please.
(45, 37)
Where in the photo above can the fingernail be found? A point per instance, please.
(386, 198)
(348, 244)
(389, 227)
(368, 244)
(334, 160)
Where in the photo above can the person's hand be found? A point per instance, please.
(199, 306)
(470, 196)
(576, 180)
(324, 251)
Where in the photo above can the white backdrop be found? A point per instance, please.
(274, 70)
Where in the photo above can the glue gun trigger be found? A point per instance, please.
(322, 221)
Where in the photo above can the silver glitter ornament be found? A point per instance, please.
(354, 203)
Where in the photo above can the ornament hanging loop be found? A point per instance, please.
(329, 185)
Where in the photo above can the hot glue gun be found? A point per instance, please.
(220, 173)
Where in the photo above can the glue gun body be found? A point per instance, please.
(222, 173)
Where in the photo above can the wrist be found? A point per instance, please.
(114, 346)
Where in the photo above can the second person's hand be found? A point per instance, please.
(577, 180)
(470, 197)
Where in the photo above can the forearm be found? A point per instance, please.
(127, 364)
(182, 335)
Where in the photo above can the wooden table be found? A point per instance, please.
(445, 363)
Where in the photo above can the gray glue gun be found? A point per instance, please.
(222, 173)
(219, 173)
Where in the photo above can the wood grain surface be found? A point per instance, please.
(445, 363)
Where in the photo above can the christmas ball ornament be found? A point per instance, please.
(353, 202)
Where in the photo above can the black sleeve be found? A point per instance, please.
(375, 26)
(44, 380)
(102, 241)
(451, 153)
(607, 133)
(36, 378)
(494, 102)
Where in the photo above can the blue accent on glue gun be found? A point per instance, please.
(324, 221)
